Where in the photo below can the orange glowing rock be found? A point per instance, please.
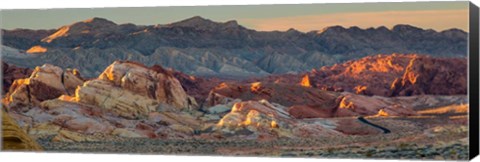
(305, 81)
(255, 87)
(409, 74)
(344, 104)
(62, 32)
(382, 112)
(37, 49)
(360, 89)
(274, 124)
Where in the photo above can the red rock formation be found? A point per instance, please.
(284, 94)
(11, 73)
(304, 111)
(388, 75)
(305, 81)
(425, 75)
(302, 102)
(355, 105)
(197, 87)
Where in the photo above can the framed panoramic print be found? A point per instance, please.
(352, 80)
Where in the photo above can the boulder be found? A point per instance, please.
(46, 82)
(260, 118)
(218, 109)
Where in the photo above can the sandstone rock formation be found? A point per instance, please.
(127, 100)
(12, 73)
(45, 83)
(424, 75)
(303, 102)
(255, 117)
(132, 90)
(14, 138)
(132, 100)
(283, 94)
(388, 75)
(358, 105)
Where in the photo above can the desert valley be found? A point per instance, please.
(217, 88)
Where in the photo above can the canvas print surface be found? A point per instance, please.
(372, 80)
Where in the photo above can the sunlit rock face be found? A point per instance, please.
(132, 90)
(388, 75)
(424, 75)
(46, 82)
(37, 50)
(306, 81)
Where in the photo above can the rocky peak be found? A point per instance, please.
(97, 21)
(206, 24)
(405, 28)
(195, 21)
(455, 33)
(332, 29)
(231, 24)
(91, 26)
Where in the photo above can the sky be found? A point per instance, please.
(304, 17)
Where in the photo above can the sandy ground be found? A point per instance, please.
(417, 137)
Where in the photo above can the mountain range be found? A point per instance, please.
(198, 46)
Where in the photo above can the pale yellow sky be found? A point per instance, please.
(303, 17)
(431, 19)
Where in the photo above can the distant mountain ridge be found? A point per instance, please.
(203, 47)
